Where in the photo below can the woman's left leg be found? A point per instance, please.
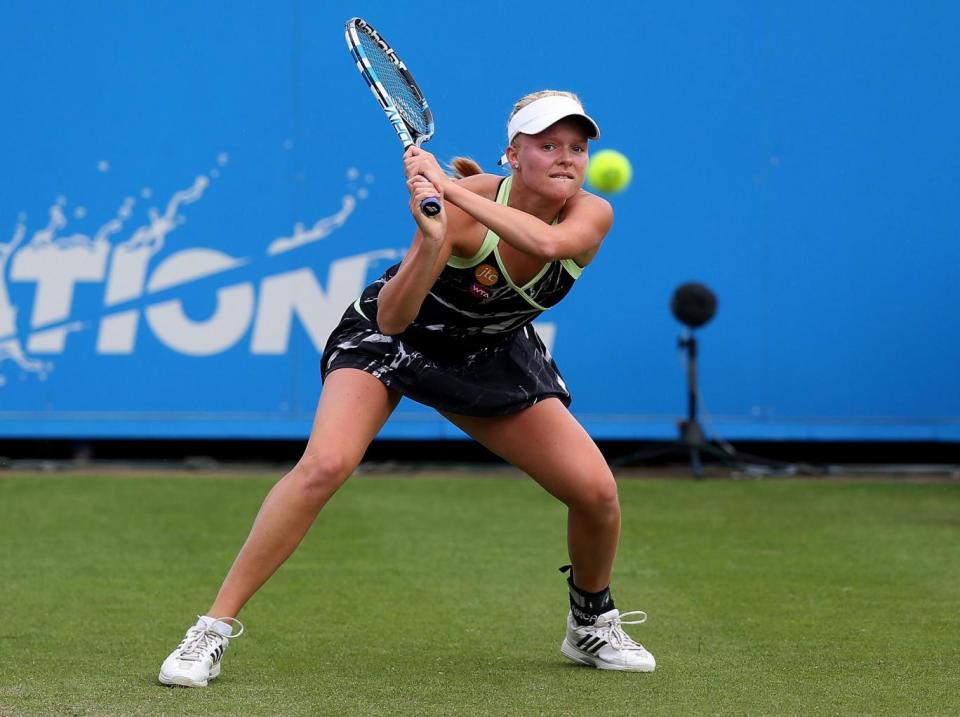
(546, 442)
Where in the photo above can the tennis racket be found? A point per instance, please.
(395, 89)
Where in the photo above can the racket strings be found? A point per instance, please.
(405, 98)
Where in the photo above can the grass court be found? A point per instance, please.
(438, 594)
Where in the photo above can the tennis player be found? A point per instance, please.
(450, 327)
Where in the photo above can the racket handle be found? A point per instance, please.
(430, 206)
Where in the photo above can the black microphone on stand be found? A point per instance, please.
(693, 305)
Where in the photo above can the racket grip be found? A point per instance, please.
(430, 206)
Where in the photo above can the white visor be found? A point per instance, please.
(540, 114)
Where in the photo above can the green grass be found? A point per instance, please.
(441, 596)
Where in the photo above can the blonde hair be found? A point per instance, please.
(466, 167)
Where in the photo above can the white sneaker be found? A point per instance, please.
(197, 658)
(605, 645)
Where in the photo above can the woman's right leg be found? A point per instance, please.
(353, 408)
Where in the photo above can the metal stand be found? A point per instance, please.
(692, 441)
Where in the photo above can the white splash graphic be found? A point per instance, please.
(55, 262)
(324, 227)
(152, 236)
(11, 348)
(321, 229)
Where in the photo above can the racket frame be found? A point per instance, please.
(408, 135)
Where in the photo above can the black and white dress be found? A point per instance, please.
(471, 350)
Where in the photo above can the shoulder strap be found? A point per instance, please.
(490, 239)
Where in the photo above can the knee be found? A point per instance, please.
(320, 474)
(599, 497)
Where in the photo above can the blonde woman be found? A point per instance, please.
(450, 327)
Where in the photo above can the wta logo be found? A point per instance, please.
(127, 281)
(486, 276)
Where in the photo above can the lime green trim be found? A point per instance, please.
(503, 268)
(502, 197)
(573, 269)
(356, 305)
(534, 280)
(534, 304)
(490, 240)
(504, 193)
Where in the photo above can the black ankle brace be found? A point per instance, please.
(587, 607)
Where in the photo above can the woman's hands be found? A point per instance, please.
(417, 160)
(434, 229)
(402, 296)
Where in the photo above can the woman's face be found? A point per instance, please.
(553, 162)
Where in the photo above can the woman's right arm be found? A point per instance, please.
(402, 296)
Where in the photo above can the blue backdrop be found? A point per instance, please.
(192, 193)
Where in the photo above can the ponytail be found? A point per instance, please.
(464, 167)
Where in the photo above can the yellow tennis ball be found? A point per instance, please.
(609, 171)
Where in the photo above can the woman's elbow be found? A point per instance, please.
(390, 324)
(548, 250)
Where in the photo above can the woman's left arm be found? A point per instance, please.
(586, 218)
(586, 221)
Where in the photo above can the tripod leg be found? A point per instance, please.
(641, 456)
(695, 462)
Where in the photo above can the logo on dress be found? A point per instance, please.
(481, 292)
(486, 275)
